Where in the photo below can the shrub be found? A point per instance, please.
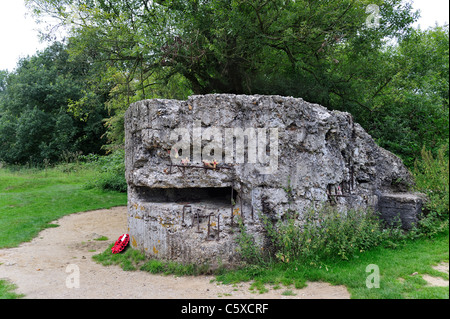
(318, 235)
(248, 249)
(111, 171)
(326, 233)
(429, 226)
(432, 179)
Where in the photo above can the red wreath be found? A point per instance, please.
(120, 244)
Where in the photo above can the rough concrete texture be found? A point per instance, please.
(401, 208)
(306, 156)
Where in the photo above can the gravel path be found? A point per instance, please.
(42, 268)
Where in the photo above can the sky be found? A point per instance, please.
(19, 36)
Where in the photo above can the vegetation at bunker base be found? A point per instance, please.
(397, 268)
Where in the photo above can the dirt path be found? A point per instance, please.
(38, 268)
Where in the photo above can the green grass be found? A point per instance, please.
(30, 199)
(396, 268)
(7, 291)
(132, 259)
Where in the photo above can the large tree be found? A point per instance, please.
(36, 123)
(352, 55)
(227, 45)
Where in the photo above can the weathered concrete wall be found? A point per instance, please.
(402, 209)
(305, 156)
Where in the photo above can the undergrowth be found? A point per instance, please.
(131, 260)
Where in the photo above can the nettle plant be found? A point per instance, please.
(317, 235)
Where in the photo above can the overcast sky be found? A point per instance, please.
(19, 38)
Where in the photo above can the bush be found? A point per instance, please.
(432, 179)
(248, 249)
(111, 171)
(429, 226)
(319, 235)
(326, 233)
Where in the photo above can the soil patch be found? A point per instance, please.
(438, 281)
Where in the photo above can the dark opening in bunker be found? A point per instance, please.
(219, 195)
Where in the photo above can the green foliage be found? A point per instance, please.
(248, 249)
(397, 269)
(35, 123)
(110, 171)
(432, 178)
(327, 233)
(317, 236)
(429, 226)
(411, 110)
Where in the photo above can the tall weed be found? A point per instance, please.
(432, 178)
(110, 171)
(318, 235)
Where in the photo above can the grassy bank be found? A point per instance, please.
(30, 199)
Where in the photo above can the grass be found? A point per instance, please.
(132, 259)
(7, 291)
(396, 268)
(30, 199)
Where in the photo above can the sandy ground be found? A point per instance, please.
(45, 267)
(437, 281)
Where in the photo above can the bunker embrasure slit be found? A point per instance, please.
(218, 195)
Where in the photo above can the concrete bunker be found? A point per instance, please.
(194, 167)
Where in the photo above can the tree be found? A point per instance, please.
(223, 46)
(234, 46)
(414, 106)
(322, 51)
(36, 124)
